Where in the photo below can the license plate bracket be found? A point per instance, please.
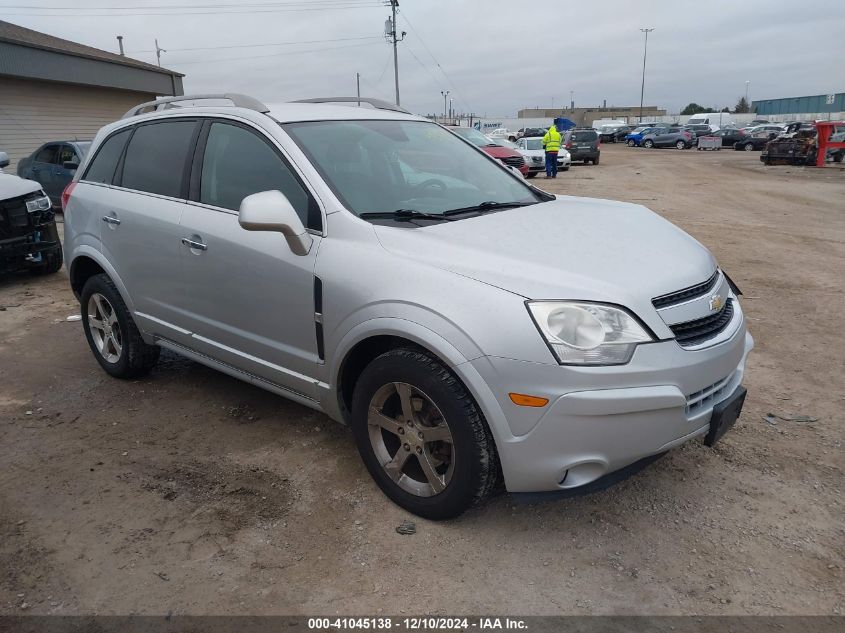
(725, 415)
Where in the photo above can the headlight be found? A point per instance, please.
(41, 203)
(588, 333)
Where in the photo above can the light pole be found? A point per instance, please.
(445, 94)
(450, 107)
(746, 95)
(642, 88)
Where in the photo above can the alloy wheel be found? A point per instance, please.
(104, 327)
(411, 439)
(748, 147)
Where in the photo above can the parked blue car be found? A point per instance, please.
(635, 138)
(53, 165)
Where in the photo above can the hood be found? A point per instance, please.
(13, 186)
(497, 151)
(569, 248)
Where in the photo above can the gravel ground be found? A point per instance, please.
(191, 492)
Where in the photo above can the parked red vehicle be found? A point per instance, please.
(505, 154)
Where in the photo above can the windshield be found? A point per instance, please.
(383, 166)
(533, 143)
(473, 136)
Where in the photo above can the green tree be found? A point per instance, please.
(693, 108)
(742, 106)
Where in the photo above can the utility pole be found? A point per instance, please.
(159, 51)
(120, 43)
(390, 34)
(642, 88)
(445, 94)
(358, 86)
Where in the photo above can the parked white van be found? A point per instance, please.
(715, 120)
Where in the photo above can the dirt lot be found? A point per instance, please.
(191, 492)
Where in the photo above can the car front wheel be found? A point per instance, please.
(112, 334)
(749, 147)
(631, 143)
(648, 143)
(421, 435)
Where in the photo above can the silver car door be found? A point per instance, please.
(250, 299)
(141, 234)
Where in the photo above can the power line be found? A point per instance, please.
(318, 3)
(227, 11)
(232, 59)
(443, 70)
(208, 48)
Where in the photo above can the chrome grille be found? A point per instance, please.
(514, 161)
(697, 331)
(686, 294)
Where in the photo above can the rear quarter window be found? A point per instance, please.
(104, 164)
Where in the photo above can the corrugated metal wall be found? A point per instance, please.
(34, 112)
(814, 104)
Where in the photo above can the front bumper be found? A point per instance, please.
(29, 250)
(602, 419)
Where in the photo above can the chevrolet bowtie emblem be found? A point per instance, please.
(716, 302)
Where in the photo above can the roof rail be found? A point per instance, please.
(238, 101)
(379, 104)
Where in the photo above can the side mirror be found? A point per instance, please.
(69, 164)
(4, 160)
(272, 211)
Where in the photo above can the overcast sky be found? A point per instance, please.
(495, 56)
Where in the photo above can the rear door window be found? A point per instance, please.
(238, 163)
(103, 166)
(47, 154)
(156, 158)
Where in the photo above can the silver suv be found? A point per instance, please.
(471, 329)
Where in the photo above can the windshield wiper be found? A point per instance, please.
(404, 215)
(489, 205)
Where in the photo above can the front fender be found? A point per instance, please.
(434, 343)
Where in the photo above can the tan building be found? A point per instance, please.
(586, 116)
(53, 89)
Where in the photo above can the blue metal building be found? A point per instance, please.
(814, 104)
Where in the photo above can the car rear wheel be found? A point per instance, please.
(631, 143)
(421, 435)
(648, 143)
(681, 145)
(111, 333)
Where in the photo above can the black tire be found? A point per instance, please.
(136, 358)
(52, 263)
(564, 168)
(648, 143)
(631, 143)
(531, 174)
(748, 147)
(837, 158)
(476, 462)
(596, 160)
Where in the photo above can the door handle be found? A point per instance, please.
(193, 244)
(108, 219)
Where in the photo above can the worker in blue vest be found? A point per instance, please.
(551, 143)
